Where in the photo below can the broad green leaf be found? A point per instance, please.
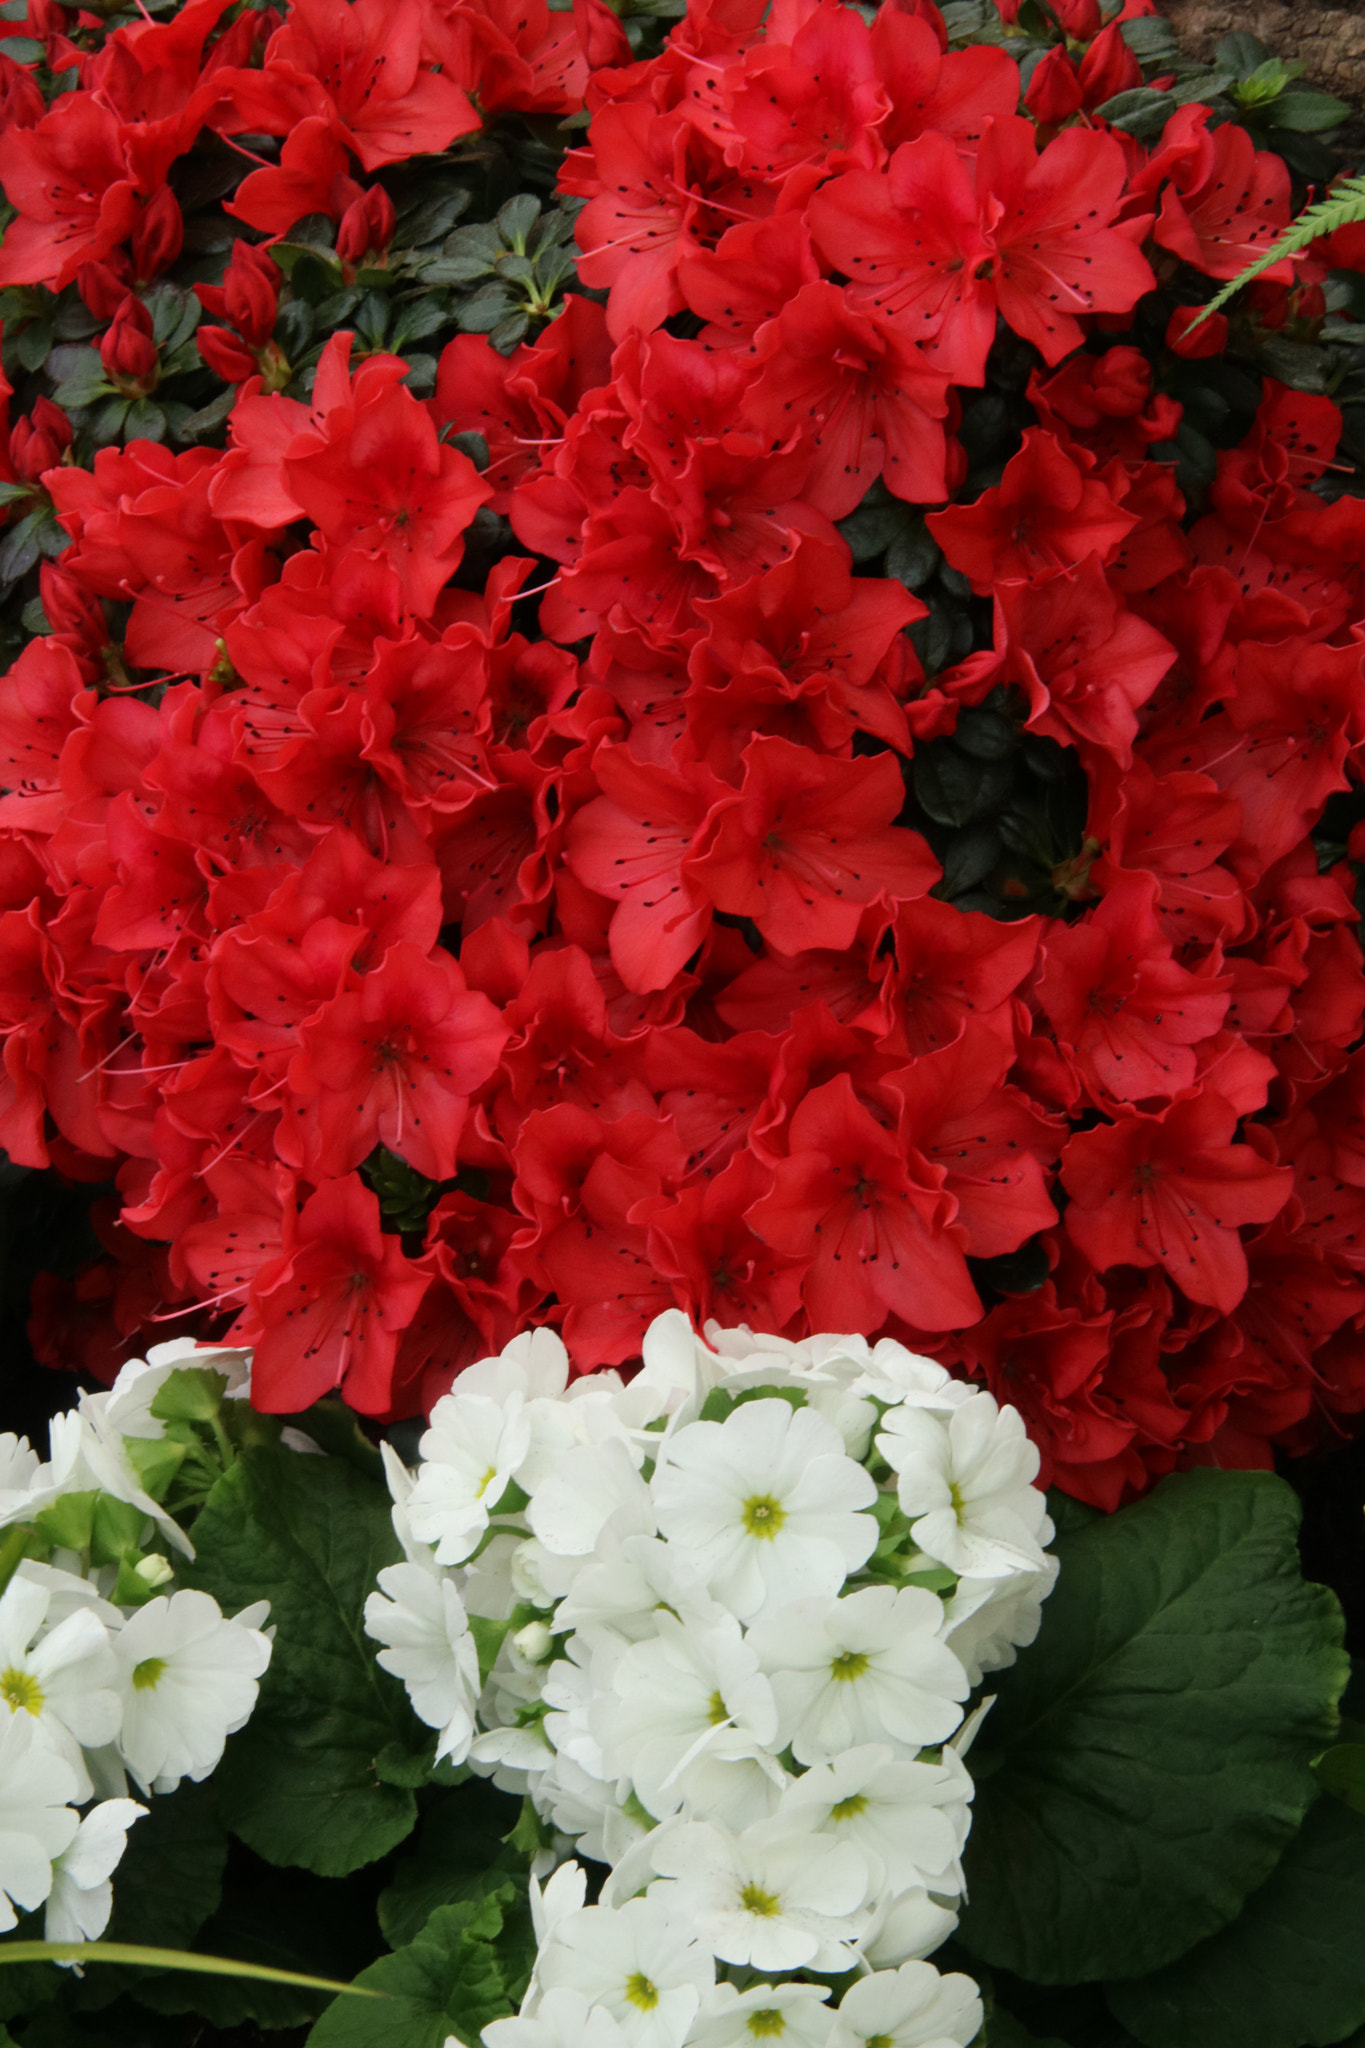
(1290, 1970)
(298, 1782)
(1146, 1764)
(461, 1842)
(448, 1981)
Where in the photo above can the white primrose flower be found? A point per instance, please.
(906, 1927)
(19, 1466)
(775, 1897)
(869, 1667)
(419, 1615)
(626, 1591)
(62, 1678)
(792, 2015)
(561, 1896)
(592, 1485)
(563, 2019)
(909, 1819)
(535, 1365)
(913, 2007)
(767, 1505)
(638, 1962)
(37, 1822)
(691, 1719)
(188, 1678)
(82, 1897)
(965, 1482)
(988, 1621)
(469, 1454)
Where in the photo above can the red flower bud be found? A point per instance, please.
(367, 226)
(21, 99)
(40, 441)
(1108, 67)
(1270, 302)
(1080, 18)
(1054, 90)
(70, 609)
(128, 352)
(248, 295)
(1210, 339)
(159, 236)
(226, 355)
(601, 37)
(1309, 302)
(104, 286)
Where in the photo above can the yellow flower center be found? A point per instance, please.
(21, 1692)
(850, 1808)
(768, 2025)
(765, 1905)
(716, 1710)
(763, 1516)
(643, 1995)
(848, 1665)
(148, 1673)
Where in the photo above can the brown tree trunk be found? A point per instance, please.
(1330, 40)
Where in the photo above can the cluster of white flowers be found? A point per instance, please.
(103, 1676)
(721, 1625)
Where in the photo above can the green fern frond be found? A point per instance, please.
(1343, 207)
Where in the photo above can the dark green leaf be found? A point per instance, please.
(1309, 113)
(1156, 1741)
(21, 546)
(431, 221)
(460, 1850)
(285, 1920)
(482, 313)
(473, 445)
(912, 556)
(1290, 1970)
(516, 219)
(298, 1783)
(878, 521)
(145, 421)
(968, 859)
(450, 1980)
(505, 336)
(32, 344)
(952, 787)
(984, 734)
(1140, 111)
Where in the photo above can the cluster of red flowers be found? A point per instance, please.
(611, 920)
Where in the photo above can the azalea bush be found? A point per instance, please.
(655, 663)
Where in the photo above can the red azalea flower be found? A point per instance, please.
(1170, 1190)
(631, 845)
(1120, 1003)
(877, 1229)
(393, 1061)
(1046, 513)
(329, 1316)
(807, 842)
